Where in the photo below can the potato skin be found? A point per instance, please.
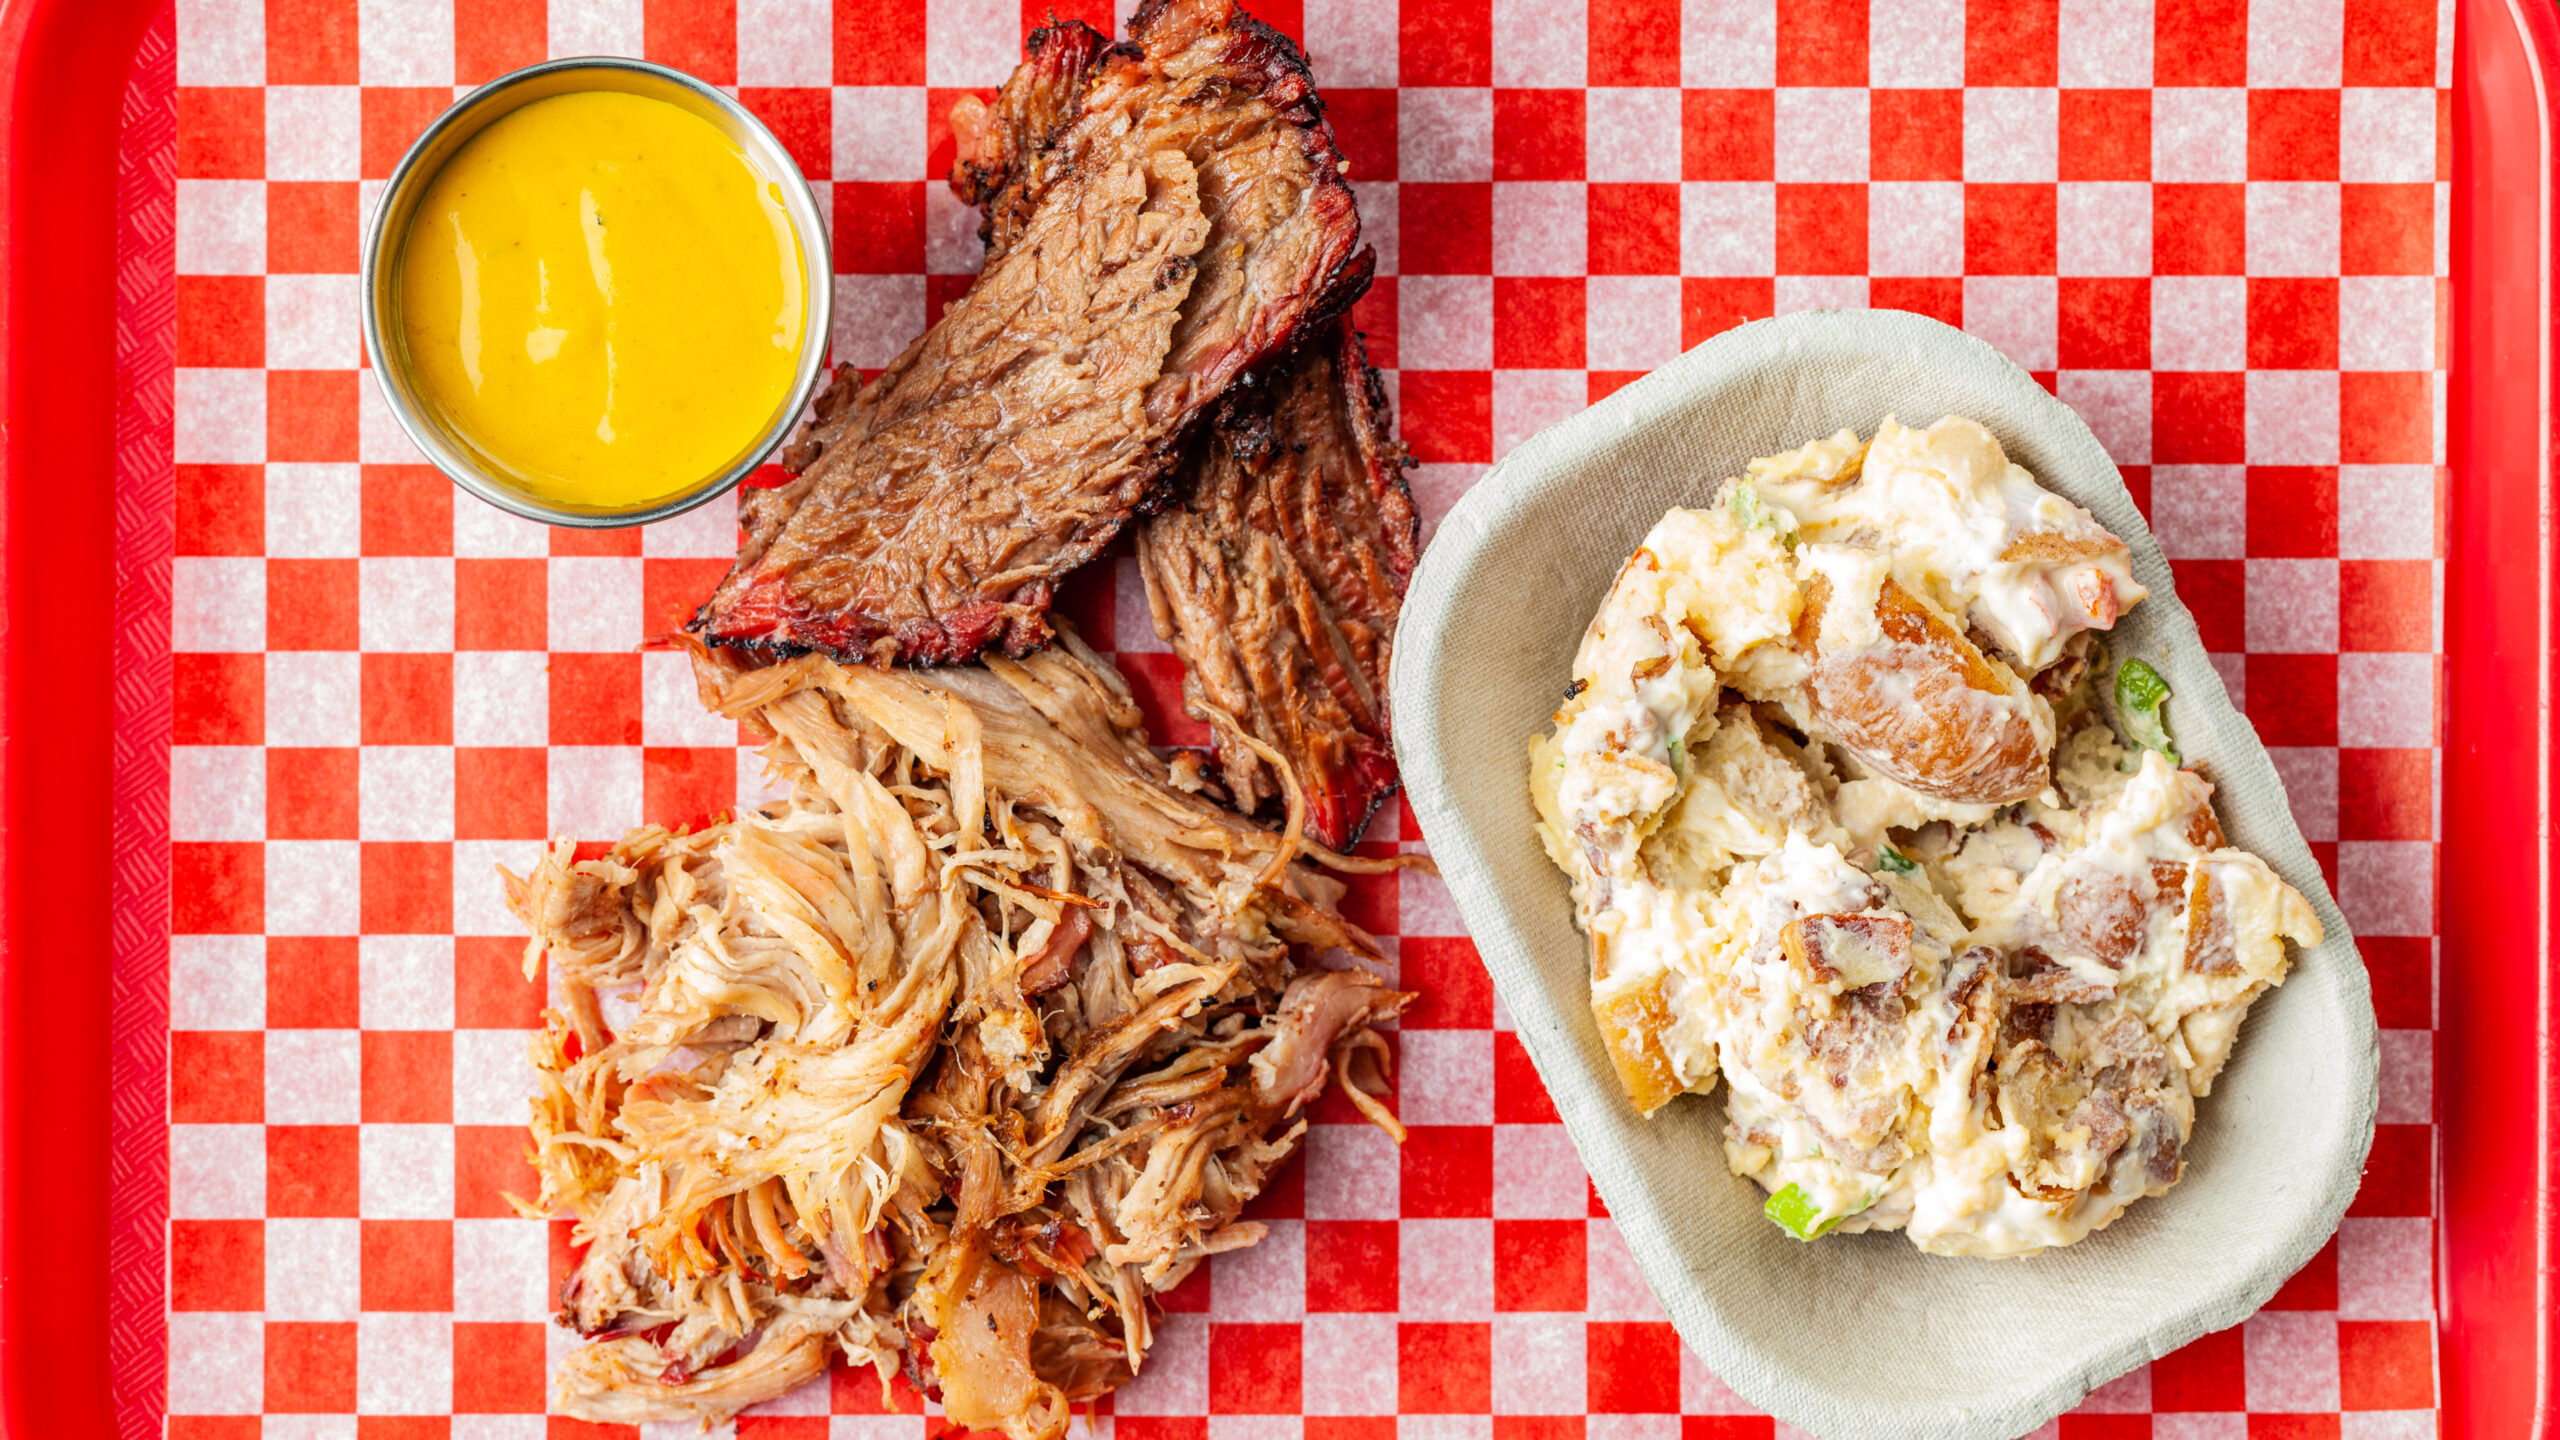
(1925, 706)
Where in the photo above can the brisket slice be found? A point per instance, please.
(999, 148)
(1191, 222)
(1279, 578)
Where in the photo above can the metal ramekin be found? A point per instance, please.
(386, 345)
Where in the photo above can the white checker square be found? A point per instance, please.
(1556, 61)
(1528, 401)
(221, 42)
(2117, 406)
(2386, 512)
(1445, 1269)
(808, 1398)
(2310, 776)
(596, 27)
(535, 1427)
(2233, 667)
(1377, 203)
(1423, 906)
(1633, 1427)
(1176, 1380)
(501, 698)
(595, 790)
(2387, 322)
(1916, 45)
(1538, 1364)
(491, 1079)
(839, 1427)
(404, 42)
(1445, 322)
(2295, 609)
(309, 890)
(2105, 44)
(2387, 135)
(2292, 1361)
(1915, 227)
(480, 907)
(1444, 133)
(708, 531)
(1536, 1174)
(2200, 512)
(1701, 1393)
(2199, 322)
(1632, 322)
(2102, 228)
(2386, 1268)
(2385, 887)
(2012, 133)
(2296, 44)
(1728, 44)
(217, 792)
(671, 713)
(312, 1269)
(595, 604)
(2408, 1076)
(1613, 1288)
(220, 416)
(404, 1364)
(1251, 1427)
(2127, 1394)
(405, 603)
(381, 441)
(2293, 227)
(1352, 1173)
(2200, 1425)
(314, 1077)
(313, 323)
(1444, 1427)
(1728, 227)
(757, 786)
(2199, 135)
(314, 511)
(404, 1172)
(1445, 1077)
(971, 42)
(218, 1172)
(2017, 314)
(2388, 1424)
(1632, 133)
(217, 1363)
(875, 317)
(501, 1270)
(1821, 134)
(1820, 292)
(1265, 1281)
(314, 132)
(1352, 44)
(314, 697)
(405, 982)
(878, 132)
(1132, 623)
(2293, 417)
(1435, 489)
(1539, 228)
(785, 43)
(217, 982)
(1348, 1364)
(222, 227)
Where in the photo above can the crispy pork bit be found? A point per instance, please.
(1190, 222)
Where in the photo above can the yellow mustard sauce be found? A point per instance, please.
(603, 296)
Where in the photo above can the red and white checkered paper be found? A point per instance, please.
(2217, 228)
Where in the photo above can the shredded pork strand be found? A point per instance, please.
(949, 1061)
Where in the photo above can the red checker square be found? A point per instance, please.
(217, 1265)
(1537, 1427)
(2103, 1427)
(2389, 43)
(1330, 1108)
(500, 604)
(2386, 229)
(2011, 42)
(2200, 42)
(1822, 42)
(311, 1171)
(1284, 1195)
(1634, 42)
(213, 1427)
(879, 42)
(311, 227)
(222, 320)
(1448, 415)
(879, 227)
(939, 292)
(2385, 795)
(500, 794)
(2400, 967)
(620, 542)
(1445, 228)
(1352, 1265)
(1253, 1369)
(2009, 229)
(1915, 134)
(1448, 1171)
(1939, 298)
(2217, 592)
(1370, 902)
(2385, 1365)
(1727, 1427)
(408, 699)
(940, 149)
(2207, 1373)
(1634, 1368)
(407, 1264)
(1728, 134)
(408, 1077)
(492, 37)
(311, 42)
(222, 132)
(489, 1164)
(407, 510)
(696, 36)
(2293, 134)
(1599, 385)
(1084, 599)
(859, 1391)
(311, 415)
(802, 118)
(2324, 853)
(1450, 43)
(1354, 1427)
(2105, 135)
(1192, 1295)
(2385, 419)
(2386, 605)
(490, 991)
(2293, 323)
(217, 888)
(2314, 1286)
(687, 787)
(310, 1367)
(311, 982)
(595, 699)
(2198, 417)
(407, 887)
(1822, 229)
(1364, 126)
(1711, 305)
(2293, 699)
(2266, 1426)
(2137, 480)
(1537, 134)
(672, 589)
(1455, 991)
(311, 604)
(1155, 680)
(394, 116)
(217, 1077)
(497, 1368)
(222, 509)
(1598, 1209)
(1540, 1264)
(1519, 1096)
(1633, 229)
(1444, 1369)
(2102, 324)
(2293, 511)
(2199, 229)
